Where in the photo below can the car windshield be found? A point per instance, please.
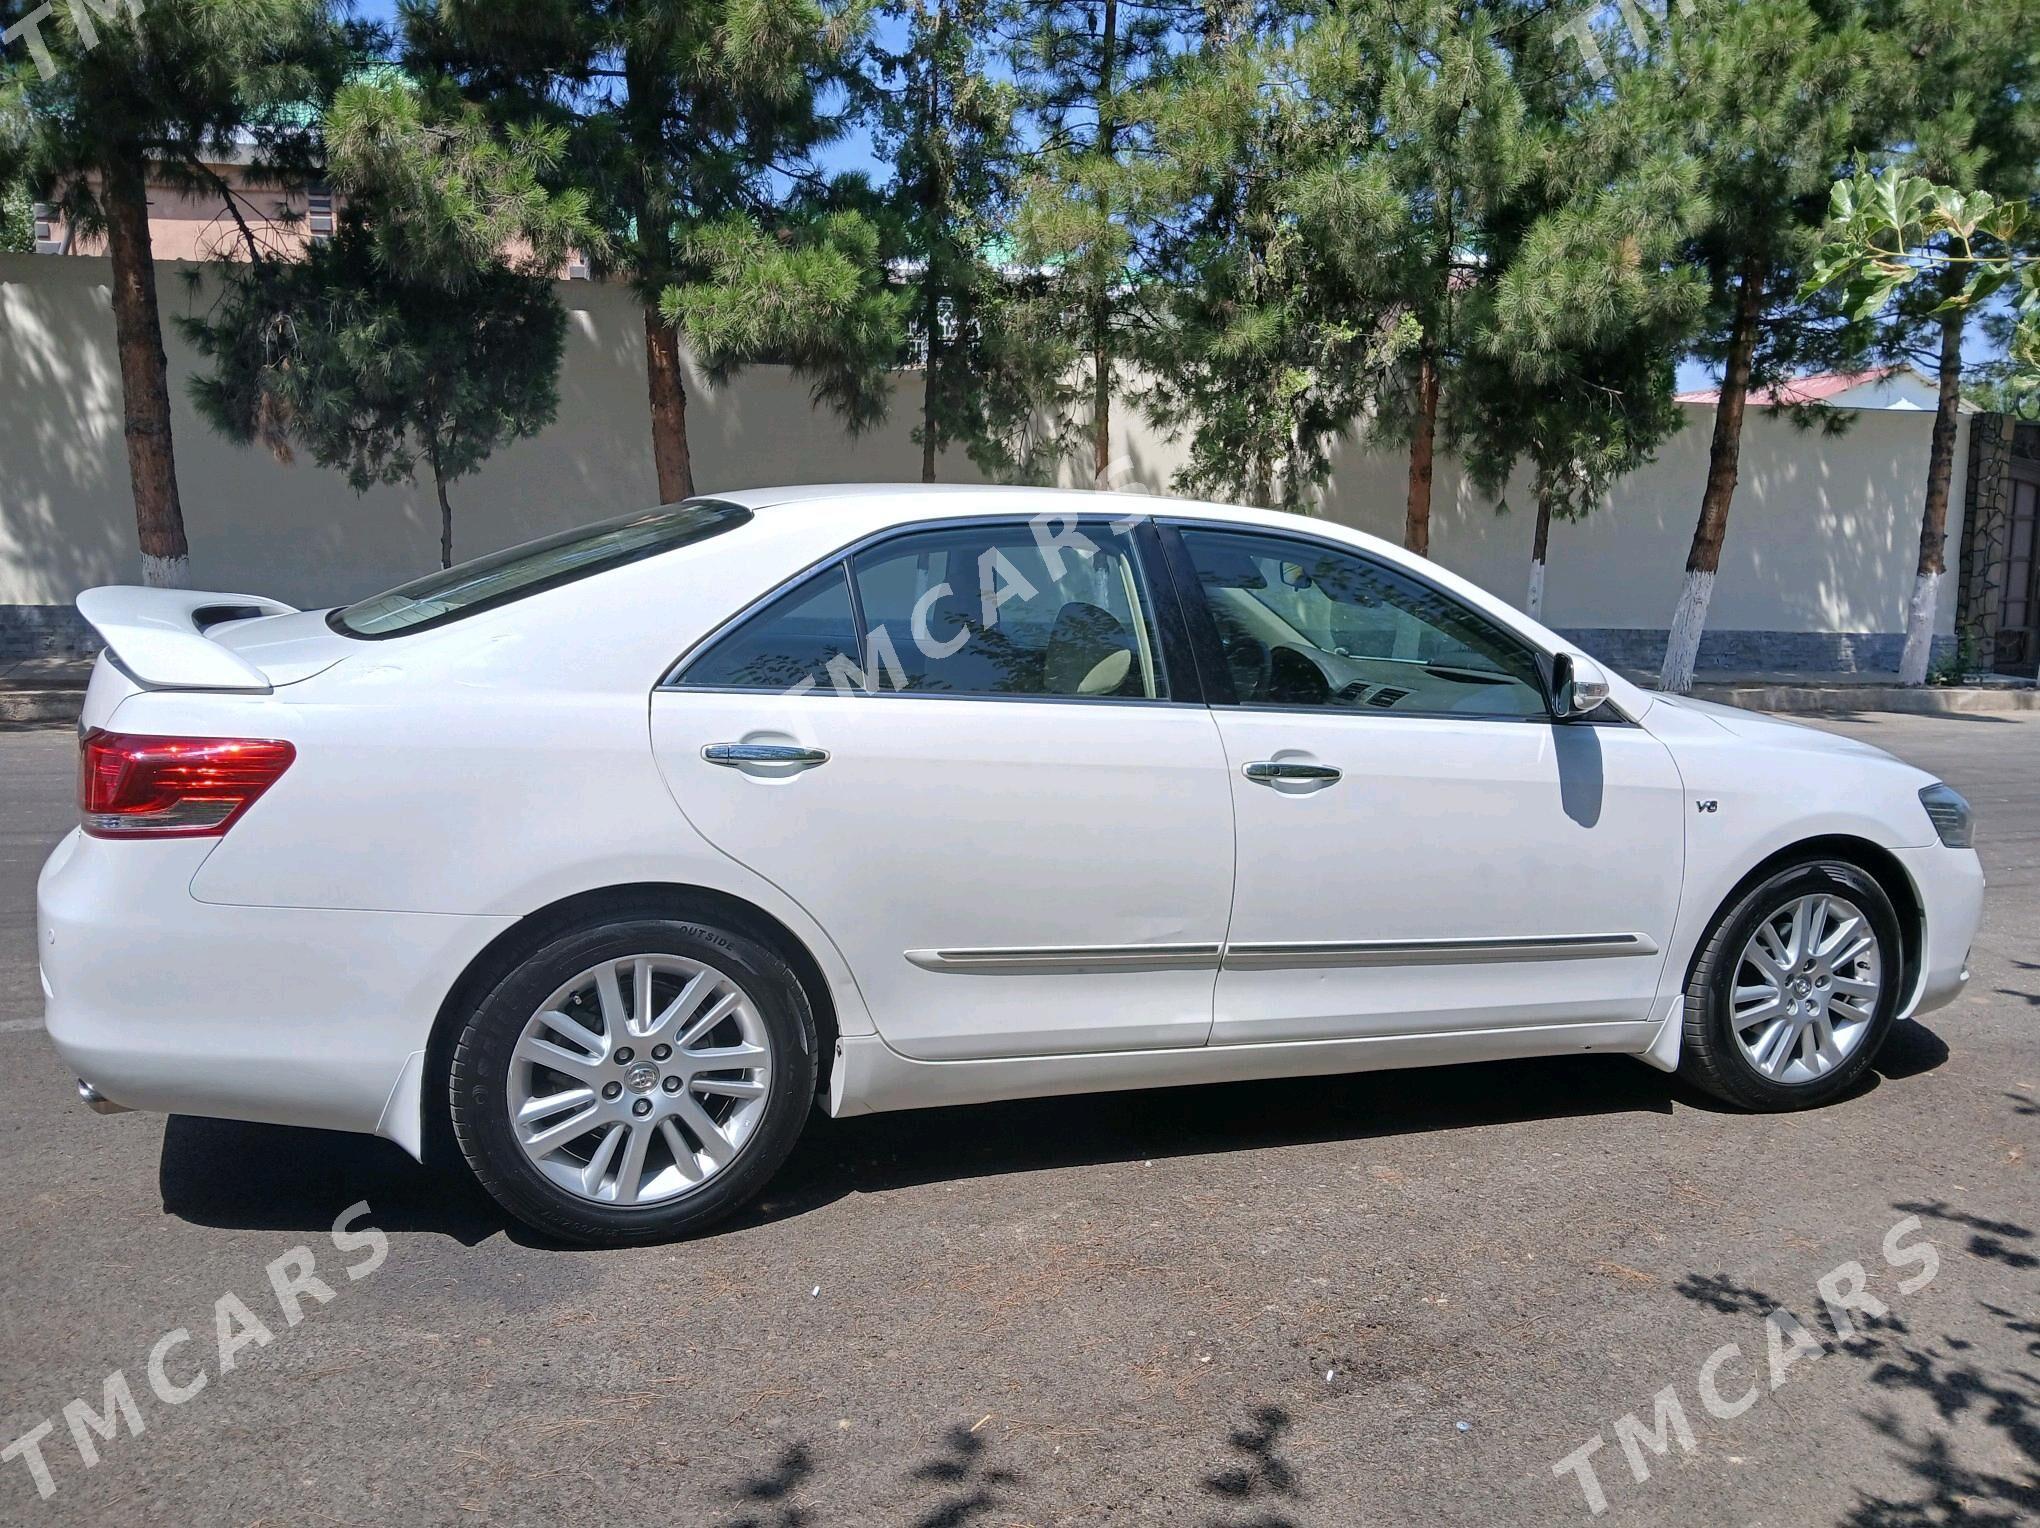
(547, 563)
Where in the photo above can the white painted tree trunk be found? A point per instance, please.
(166, 572)
(1533, 603)
(1919, 629)
(1689, 620)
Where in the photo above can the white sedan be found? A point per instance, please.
(599, 862)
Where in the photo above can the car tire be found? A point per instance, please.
(1735, 1048)
(704, 1152)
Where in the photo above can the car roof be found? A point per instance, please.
(929, 501)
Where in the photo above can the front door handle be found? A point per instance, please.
(1268, 772)
(737, 755)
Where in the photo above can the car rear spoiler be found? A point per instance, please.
(158, 636)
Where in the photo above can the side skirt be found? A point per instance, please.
(870, 1077)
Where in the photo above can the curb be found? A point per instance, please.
(41, 708)
(1923, 700)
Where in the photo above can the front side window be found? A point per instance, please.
(1046, 609)
(1305, 624)
(520, 571)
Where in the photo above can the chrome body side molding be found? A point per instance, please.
(1044, 960)
(1434, 952)
(1062, 960)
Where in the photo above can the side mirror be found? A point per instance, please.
(1578, 687)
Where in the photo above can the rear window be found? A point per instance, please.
(534, 567)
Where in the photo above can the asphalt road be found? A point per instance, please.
(1394, 1299)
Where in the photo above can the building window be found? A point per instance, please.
(319, 213)
(47, 240)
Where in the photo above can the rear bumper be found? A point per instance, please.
(289, 1016)
(1950, 884)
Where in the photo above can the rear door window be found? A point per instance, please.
(1029, 610)
(807, 637)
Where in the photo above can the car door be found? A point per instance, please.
(964, 751)
(1421, 848)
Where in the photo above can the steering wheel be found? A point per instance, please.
(1294, 679)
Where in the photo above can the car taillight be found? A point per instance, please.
(135, 786)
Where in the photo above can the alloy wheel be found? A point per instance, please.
(1806, 988)
(640, 1079)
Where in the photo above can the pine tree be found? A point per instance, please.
(1973, 124)
(426, 331)
(1423, 144)
(1252, 346)
(1576, 339)
(99, 101)
(1766, 98)
(1086, 65)
(946, 121)
(687, 120)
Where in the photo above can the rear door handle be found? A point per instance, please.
(1270, 771)
(737, 755)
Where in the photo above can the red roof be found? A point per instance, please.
(1801, 389)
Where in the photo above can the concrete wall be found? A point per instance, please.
(1821, 542)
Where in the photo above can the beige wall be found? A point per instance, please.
(1823, 535)
(196, 225)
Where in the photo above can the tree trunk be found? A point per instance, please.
(1101, 305)
(445, 512)
(932, 319)
(144, 379)
(1689, 619)
(669, 408)
(1919, 620)
(931, 211)
(1539, 545)
(648, 87)
(1423, 454)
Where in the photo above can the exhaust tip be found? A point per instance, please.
(97, 1101)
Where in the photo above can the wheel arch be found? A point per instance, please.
(1875, 861)
(658, 898)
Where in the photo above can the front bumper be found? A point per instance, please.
(1950, 887)
(283, 1015)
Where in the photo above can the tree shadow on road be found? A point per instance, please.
(1256, 1491)
(1956, 1487)
(963, 1481)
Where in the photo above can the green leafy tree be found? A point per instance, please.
(686, 121)
(100, 101)
(1766, 98)
(426, 331)
(1900, 245)
(1971, 122)
(17, 218)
